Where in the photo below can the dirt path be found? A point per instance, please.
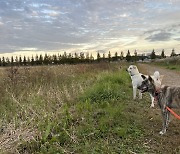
(171, 78)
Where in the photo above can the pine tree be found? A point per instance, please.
(16, 61)
(12, 61)
(40, 59)
(55, 59)
(8, 61)
(116, 56)
(122, 55)
(109, 56)
(104, 57)
(163, 54)
(128, 56)
(135, 56)
(173, 54)
(24, 61)
(153, 55)
(37, 60)
(20, 60)
(46, 59)
(32, 61)
(3, 61)
(98, 57)
(76, 55)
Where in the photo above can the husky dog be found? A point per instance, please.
(137, 81)
(166, 97)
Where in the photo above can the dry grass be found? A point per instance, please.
(30, 95)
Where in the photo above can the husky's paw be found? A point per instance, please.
(152, 106)
(162, 132)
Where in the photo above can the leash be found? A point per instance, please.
(172, 112)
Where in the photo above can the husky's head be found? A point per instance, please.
(132, 70)
(147, 85)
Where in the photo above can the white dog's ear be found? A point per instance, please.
(143, 77)
(134, 67)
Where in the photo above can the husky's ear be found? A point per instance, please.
(150, 78)
(143, 77)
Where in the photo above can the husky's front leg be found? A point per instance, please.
(165, 115)
(152, 101)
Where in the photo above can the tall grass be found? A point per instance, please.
(68, 109)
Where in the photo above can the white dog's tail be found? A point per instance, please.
(156, 75)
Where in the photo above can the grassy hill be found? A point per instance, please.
(76, 109)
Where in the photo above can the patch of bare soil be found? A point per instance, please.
(170, 142)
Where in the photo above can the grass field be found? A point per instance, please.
(76, 109)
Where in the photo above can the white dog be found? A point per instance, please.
(137, 81)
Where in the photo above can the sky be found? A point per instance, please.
(49, 26)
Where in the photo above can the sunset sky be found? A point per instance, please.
(49, 26)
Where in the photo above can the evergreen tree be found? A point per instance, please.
(40, 59)
(8, 63)
(135, 56)
(173, 53)
(104, 57)
(65, 55)
(128, 56)
(109, 56)
(20, 60)
(142, 57)
(153, 55)
(12, 61)
(55, 59)
(122, 55)
(3, 61)
(98, 57)
(16, 61)
(32, 61)
(116, 56)
(46, 59)
(76, 55)
(163, 54)
(37, 60)
(24, 61)
(70, 56)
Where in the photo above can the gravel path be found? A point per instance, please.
(171, 77)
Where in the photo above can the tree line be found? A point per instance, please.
(78, 58)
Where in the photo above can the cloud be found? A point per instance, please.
(162, 36)
(86, 25)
